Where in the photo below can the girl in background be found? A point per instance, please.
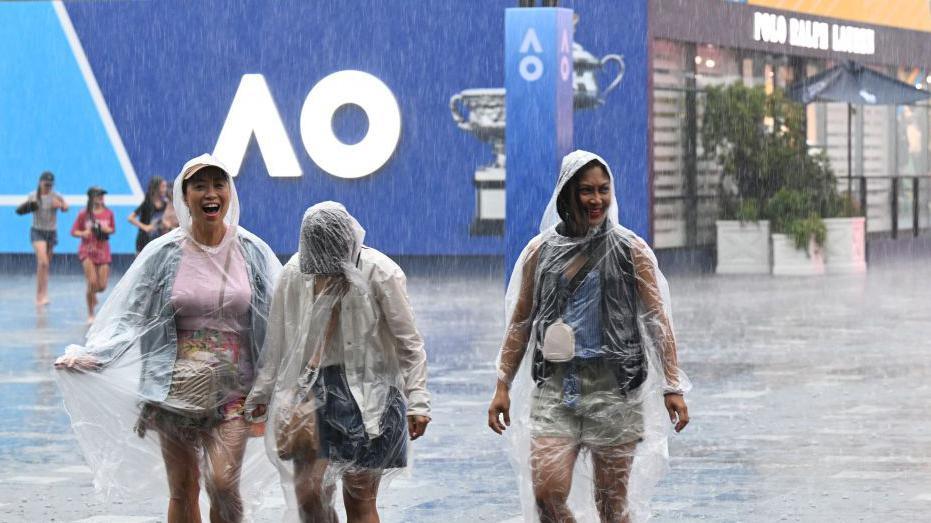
(44, 204)
(93, 226)
(148, 216)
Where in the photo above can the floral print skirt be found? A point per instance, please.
(219, 348)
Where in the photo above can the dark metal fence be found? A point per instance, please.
(893, 205)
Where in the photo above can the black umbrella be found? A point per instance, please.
(852, 83)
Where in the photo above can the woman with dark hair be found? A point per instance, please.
(589, 306)
(148, 216)
(343, 373)
(43, 204)
(93, 226)
(187, 322)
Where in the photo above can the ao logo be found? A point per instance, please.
(253, 112)
(531, 66)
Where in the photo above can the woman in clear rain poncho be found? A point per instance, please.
(172, 355)
(589, 306)
(343, 373)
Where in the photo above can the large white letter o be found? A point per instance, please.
(384, 116)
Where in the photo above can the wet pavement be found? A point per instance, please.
(809, 404)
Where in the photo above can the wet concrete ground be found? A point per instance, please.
(810, 404)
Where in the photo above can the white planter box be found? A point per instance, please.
(743, 247)
(790, 261)
(845, 245)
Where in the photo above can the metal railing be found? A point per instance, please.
(893, 204)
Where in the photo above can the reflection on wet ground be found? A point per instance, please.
(809, 404)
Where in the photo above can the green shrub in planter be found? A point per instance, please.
(759, 141)
(797, 214)
(802, 230)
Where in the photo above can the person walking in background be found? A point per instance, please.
(589, 307)
(148, 216)
(93, 226)
(43, 204)
(170, 217)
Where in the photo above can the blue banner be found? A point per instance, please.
(298, 95)
(538, 79)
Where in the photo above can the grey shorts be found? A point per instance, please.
(602, 418)
(40, 235)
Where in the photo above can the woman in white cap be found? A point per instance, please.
(589, 307)
(94, 225)
(189, 316)
(343, 373)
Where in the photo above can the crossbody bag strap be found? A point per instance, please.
(593, 256)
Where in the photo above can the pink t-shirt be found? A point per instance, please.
(198, 285)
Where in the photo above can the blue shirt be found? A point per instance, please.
(583, 314)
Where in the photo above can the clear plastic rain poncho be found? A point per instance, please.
(342, 369)
(169, 360)
(591, 297)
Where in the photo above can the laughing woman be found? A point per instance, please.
(590, 308)
(190, 315)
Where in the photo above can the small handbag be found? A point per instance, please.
(296, 430)
(98, 233)
(196, 386)
(559, 337)
(558, 342)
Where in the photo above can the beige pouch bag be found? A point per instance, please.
(559, 342)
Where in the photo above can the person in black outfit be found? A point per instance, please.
(148, 216)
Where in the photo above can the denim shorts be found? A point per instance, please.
(342, 433)
(603, 416)
(41, 235)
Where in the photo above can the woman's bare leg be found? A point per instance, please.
(90, 294)
(551, 464)
(314, 496)
(182, 469)
(612, 473)
(225, 448)
(43, 253)
(360, 490)
(103, 277)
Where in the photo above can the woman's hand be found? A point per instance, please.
(254, 411)
(77, 362)
(417, 425)
(678, 411)
(500, 407)
(258, 411)
(148, 228)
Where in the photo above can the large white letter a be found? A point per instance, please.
(253, 111)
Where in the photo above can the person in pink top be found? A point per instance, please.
(93, 226)
(188, 318)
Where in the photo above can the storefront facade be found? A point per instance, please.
(701, 43)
